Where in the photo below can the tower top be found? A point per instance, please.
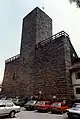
(37, 26)
(36, 9)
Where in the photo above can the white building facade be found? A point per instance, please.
(75, 76)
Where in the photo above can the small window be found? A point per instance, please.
(13, 77)
(77, 75)
(77, 90)
(2, 105)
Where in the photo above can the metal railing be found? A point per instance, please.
(62, 33)
(12, 58)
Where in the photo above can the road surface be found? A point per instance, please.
(23, 114)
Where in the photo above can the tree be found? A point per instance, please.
(76, 1)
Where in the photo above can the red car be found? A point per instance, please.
(58, 107)
(43, 106)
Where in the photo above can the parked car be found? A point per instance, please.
(30, 105)
(59, 107)
(43, 105)
(14, 100)
(7, 107)
(20, 102)
(74, 112)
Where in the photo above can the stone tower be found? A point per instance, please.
(43, 63)
(37, 26)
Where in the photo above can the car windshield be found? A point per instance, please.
(76, 105)
(41, 103)
(31, 102)
(56, 104)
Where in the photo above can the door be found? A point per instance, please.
(9, 107)
(2, 110)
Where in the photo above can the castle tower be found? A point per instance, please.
(37, 26)
(42, 67)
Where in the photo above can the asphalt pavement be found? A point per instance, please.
(23, 114)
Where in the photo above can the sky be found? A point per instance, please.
(65, 17)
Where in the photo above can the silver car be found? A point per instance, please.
(74, 112)
(7, 107)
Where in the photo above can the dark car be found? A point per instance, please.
(74, 112)
(30, 105)
(59, 107)
(43, 106)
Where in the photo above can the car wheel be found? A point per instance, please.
(52, 112)
(12, 114)
(27, 109)
(48, 110)
(69, 116)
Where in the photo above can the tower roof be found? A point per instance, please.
(37, 9)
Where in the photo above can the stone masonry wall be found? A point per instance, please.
(49, 75)
(70, 54)
(12, 78)
(42, 66)
(37, 26)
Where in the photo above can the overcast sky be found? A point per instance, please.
(65, 17)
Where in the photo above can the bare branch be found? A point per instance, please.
(76, 1)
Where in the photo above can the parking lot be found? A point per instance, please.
(23, 114)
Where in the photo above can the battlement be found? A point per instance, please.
(62, 33)
(12, 58)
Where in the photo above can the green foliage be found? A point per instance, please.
(76, 1)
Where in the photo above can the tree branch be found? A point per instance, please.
(76, 1)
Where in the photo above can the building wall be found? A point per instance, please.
(50, 69)
(43, 65)
(77, 96)
(53, 60)
(43, 26)
(76, 80)
(37, 26)
(12, 78)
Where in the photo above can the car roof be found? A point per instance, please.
(5, 101)
(44, 101)
(77, 103)
(57, 102)
(31, 100)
